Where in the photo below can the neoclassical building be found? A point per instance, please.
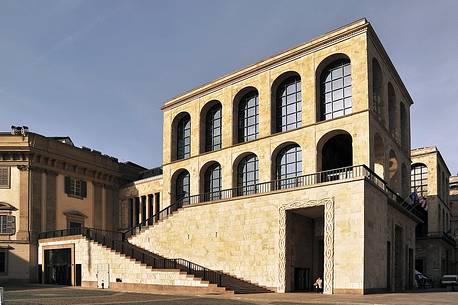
(48, 184)
(435, 241)
(289, 169)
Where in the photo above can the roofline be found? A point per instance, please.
(355, 27)
(435, 150)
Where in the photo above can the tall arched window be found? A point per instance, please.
(392, 109)
(212, 182)
(404, 127)
(289, 104)
(419, 179)
(213, 128)
(335, 90)
(288, 166)
(182, 188)
(247, 175)
(377, 84)
(248, 119)
(183, 138)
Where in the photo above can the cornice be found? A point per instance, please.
(323, 41)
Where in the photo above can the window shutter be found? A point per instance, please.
(4, 176)
(67, 185)
(10, 224)
(83, 188)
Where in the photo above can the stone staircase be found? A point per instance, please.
(231, 282)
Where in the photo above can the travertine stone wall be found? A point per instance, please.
(90, 255)
(308, 137)
(241, 236)
(380, 220)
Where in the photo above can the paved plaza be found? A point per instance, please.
(79, 296)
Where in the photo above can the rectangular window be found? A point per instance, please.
(3, 261)
(4, 177)
(7, 224)
(75, 187)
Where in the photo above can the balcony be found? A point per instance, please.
(334, 175)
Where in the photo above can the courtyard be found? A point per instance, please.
(55, 295)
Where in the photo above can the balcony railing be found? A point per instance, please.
(339, 174)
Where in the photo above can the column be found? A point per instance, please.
(36, 200)
(97, 206)
(143, 209)
(23, 232)
(109, 208)
(51, 194)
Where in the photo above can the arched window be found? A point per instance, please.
(419, 179)
(392, 109)
(377, 83)
(288, 103)
(183, 138)
(213, 128)
(404, 127)
(247, 175)
(288, 166)
(212, 182)
(248, 119)
(182, 188)
(335, 90)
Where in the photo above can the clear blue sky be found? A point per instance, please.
(98, 71)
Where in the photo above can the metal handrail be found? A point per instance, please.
(342, 173)
(116, 241)
(258, 188)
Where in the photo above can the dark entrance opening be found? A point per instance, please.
(337, 152)
(304, 247)
(58, 267)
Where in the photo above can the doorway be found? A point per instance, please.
(58, 267)
(304, 247)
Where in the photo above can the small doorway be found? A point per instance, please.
(58, 267)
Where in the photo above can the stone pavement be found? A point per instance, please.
(79, 296)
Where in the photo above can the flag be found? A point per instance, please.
(414, 198)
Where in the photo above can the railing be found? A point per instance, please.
(343, 173)
(116, 241)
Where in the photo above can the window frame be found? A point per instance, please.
(245, 186)
(183, 138)
(212, 132)
(6, 169)
(282, 104)
(422, 182)
(74, 187)
(180, 184)
(244, 117)
(5, 220)
(212, 185)
(344, 65)
(288, 179)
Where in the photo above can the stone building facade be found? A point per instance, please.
(435, 243)
(49, 184)
(289, 169)
(454, 214)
